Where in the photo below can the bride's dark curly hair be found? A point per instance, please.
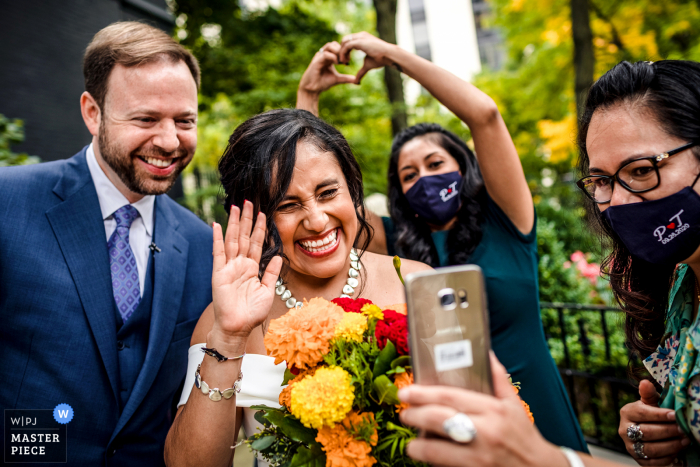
(258, 165)
(669, 91)
(413, 239)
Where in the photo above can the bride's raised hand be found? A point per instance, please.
(241, 300)
(321, 74)
(376, 52)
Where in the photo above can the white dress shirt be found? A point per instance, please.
(111, 199)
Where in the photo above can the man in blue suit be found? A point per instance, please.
(102, 275)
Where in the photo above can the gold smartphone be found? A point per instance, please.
(449, 328)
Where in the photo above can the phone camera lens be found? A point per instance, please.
(447, 299)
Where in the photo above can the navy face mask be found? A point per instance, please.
(436, 197)
(664, 231)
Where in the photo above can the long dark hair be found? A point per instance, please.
(670, 91)
(262, 150)
(412, 233)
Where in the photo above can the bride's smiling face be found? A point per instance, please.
(316, 219)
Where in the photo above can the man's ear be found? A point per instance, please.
(92, 115)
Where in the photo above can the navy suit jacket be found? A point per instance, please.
(57, 321)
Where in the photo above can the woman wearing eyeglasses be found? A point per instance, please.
(638, 139)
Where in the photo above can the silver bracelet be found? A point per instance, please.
(214, 393)
(572, 456)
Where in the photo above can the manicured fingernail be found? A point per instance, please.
(685, 442)
(671, 415)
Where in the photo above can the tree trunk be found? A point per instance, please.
(386, 27)
(584, 60)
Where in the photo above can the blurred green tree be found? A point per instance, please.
(252, 61)
(12, 132)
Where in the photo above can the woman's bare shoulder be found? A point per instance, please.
(383, 263)
(384, 287)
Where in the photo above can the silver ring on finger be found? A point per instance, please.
(460, 428)
(634, 432)
(639, 450)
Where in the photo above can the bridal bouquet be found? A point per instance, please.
(346, 360)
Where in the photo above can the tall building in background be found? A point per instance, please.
(449, 33)
(490, 41)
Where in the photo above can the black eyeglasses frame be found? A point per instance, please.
(616, 177)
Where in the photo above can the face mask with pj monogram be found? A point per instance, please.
(663, 231)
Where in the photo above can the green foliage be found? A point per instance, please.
(254, 63)
(355, 357)
(284, 440)
(12, 132)
(386, 356)
(385, 391)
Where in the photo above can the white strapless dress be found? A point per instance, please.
(261, 385)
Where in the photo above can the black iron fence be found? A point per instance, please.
(587, 343)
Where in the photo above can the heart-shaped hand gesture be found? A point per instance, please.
(321, 73)
(241, 300)
(376, 52)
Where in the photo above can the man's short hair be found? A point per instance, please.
(129, 43)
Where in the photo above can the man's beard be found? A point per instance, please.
(124, 166)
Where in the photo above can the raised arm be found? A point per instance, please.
(319, 76)
(498, 159)
(204, 430)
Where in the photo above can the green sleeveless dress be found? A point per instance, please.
(508, 259)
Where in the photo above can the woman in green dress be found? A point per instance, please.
(639, 139)
(449, 206)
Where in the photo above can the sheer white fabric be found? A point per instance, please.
(261, 385)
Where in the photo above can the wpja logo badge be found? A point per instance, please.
(675, 226)
(449, 192)
(37, 435)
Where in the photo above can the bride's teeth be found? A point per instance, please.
(159, 163)
(315, 246)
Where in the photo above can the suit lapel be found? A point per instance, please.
(79, 229)
(169, 266)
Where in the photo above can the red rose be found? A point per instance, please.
(394, 327)
(351, 305)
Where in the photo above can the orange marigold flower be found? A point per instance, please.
(286, 394)
(526, 406)
(342, 448)
(302, 336)
(401, 381)
(400, 308)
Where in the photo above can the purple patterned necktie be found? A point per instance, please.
(122, 264)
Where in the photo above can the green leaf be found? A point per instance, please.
(305, 457)
(260, 417)
(386, 391)
(402, 361)
(383, 362)
(265, 408)
(292, 427)
(263, 443)
(288, 376)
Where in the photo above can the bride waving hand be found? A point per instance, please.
(300, 177)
